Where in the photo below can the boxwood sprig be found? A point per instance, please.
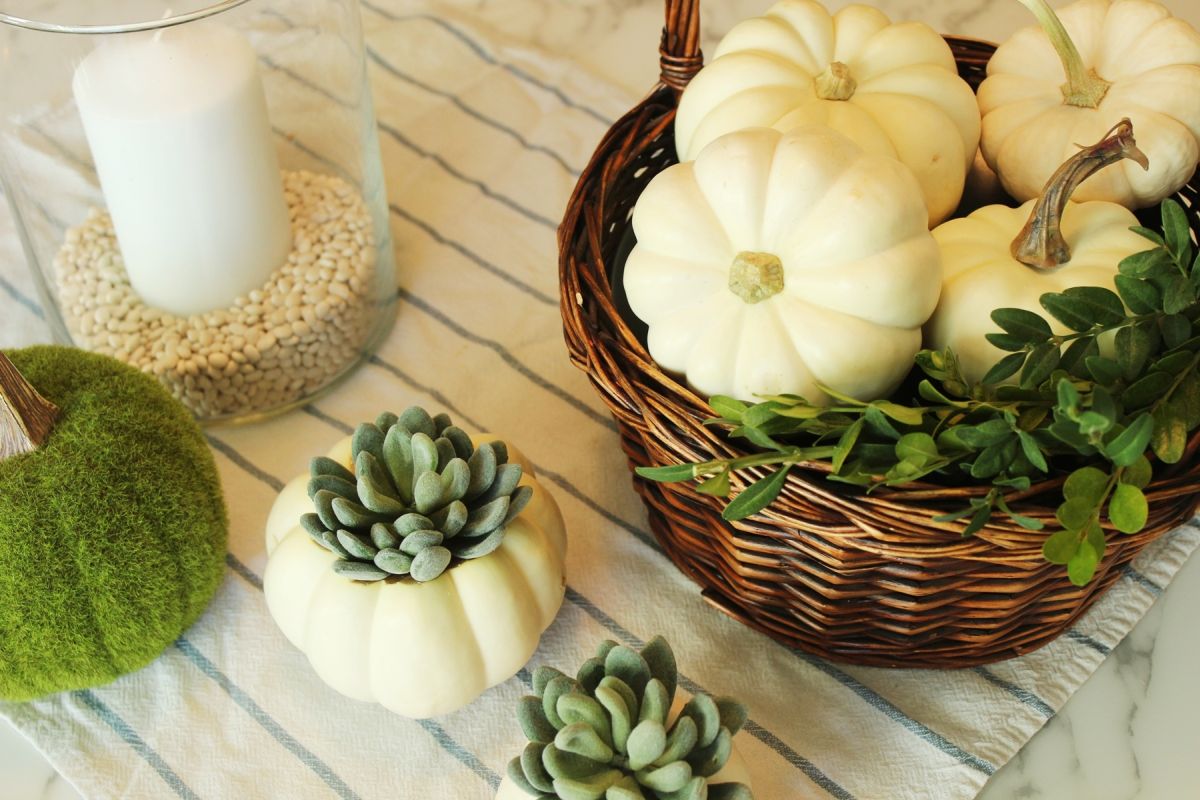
(1095, 403)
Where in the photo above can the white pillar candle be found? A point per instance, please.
(177, 125)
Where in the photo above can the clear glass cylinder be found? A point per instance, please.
(198, 190)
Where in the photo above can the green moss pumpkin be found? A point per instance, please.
(112, 534)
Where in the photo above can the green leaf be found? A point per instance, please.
(671, 474)
(1138, 473)
(1139, 265)
(918, 448)
(1127, 508)
(1146, 390)
(1170, 434)
(1022, 325)
(994, 459)
(758, 437)
(801, 412)
(1188, 398)
(980, 518)
(985, 433)
(1004, 368)
(1032, 451)
(1133, 345)
(1082, 566)
(1042, 361)
(1176, 329)
(1005, 342)
(1176, 231)
(1086, 483)
(1081, 307)
(1142, 297)
(756, 496)
(1147, 233)
(1074, 513)
(1177, 293)
(728, 407)
(1127, 446)
(1060, 546)
(1104, 370)
(760, 413)
(1092, 423)
(932, 394)
(717, 485)
(902, 414)
(846, 444)
(1074, 358)
(1068, 396)
(1174, 363)
(879, 423)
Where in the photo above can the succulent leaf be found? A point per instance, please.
(420, 498)
(516, 771)
(592, 738)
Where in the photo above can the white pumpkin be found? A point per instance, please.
(892, 88)
(734, 771)
(1130, 58)
(1069, 244)
(469, 629)
(776, 262)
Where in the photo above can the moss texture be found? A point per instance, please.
(112, 535)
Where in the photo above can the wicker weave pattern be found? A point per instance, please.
(851, 577)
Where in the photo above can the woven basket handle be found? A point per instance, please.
(679, 53)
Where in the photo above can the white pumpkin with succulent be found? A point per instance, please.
(1068, 81)
(892, 88)
(414, 549)
(783, 263)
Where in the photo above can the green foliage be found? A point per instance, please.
(608, 732)
(112, 535)
(421, 495)
(1052, 402)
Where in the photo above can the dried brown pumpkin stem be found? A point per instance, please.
(1040, 244)
(26, 417)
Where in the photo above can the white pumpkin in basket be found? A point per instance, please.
(779, 263)
(412, 599)
(892, 88)
(1069, 81)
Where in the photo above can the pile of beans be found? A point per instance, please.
(274, 345)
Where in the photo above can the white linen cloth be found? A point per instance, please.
(482, 141)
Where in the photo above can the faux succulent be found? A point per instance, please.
(421, 495)
(607, 734)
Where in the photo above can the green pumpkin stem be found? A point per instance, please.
(1040, 244)
(26, 417)
(1084, 88)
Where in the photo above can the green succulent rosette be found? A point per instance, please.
(422, 496)
(606, 734)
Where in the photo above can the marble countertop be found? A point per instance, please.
(1133, 730)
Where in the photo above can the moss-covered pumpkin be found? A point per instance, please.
(112, 532)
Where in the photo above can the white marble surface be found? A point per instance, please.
(1132, 732)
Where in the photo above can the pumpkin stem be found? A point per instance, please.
(25, 416)
(835, 83)
(1084, 88)
(755, 277)
(1040, 244)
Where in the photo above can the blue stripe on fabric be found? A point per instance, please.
(1024, 695)
(1088, 641)
(245, 572)
(1142, 580)
(487, 57)
(237, 458)
(757, 731)
(449, 168)
(131, 738)
(888, 709)
(457, 102)
(507, 357)
(465, 756)
(16, 294)
(474, 257)
(268, 723)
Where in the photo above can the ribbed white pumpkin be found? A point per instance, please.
(837, 234)
(892, 88)
(419, 649)
(1151, 60)
(981, 274)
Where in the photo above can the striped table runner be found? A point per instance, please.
(483, 140)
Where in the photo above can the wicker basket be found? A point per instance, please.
(826, 568)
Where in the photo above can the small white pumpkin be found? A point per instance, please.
(1070, 244)
(892, 88)
(1075, 77)
(775, 263)
(469, 629)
